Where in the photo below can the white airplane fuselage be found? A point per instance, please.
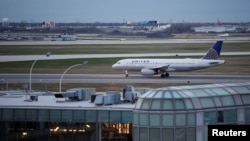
(171, 64)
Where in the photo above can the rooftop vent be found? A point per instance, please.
(110, 98)
(77, 94)
(129, 94)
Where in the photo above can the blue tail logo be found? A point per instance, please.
(214, 52)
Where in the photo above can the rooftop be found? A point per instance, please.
(21, 99)
(168, 98)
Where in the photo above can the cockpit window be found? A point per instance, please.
(118, 62)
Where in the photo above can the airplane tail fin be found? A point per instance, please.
(214, 52)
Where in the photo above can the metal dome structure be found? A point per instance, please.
(184, 112)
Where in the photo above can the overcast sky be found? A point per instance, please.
(125, 10)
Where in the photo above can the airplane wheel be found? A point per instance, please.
(163, 76)
(126, 75)
(167, 74)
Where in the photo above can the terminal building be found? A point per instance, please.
(177, 113)
(220, 29)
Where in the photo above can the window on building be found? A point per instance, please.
(191, 134)
(127, 116)
(210, 117)
(191, 119)
(217, 101)
(246, 99)
(135, 119)
(154, 120)
(167, 94)
(67, 115)
(168, 133)
(189, 104)
(207, 102)
(19, 114)
(180, 134)
(227, 101)
(143, 134)
(55, 115)
(230, 116)
(179, 104)
(220, 116)
(156, 104)
(115, 116)
(90, 116)
(103, 116)
(168, 120)
(79, 116)
(135, 134)
(180, 120)
(154, 134)
(43, 115)
(247, 115)
(143, 119)
(167, 104)
(31, 115)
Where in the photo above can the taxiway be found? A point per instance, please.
(120, 78)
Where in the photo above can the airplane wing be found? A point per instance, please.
(165, 68)
(159, 67)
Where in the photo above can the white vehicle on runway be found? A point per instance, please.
(163, 66)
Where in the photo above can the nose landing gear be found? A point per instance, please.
(126, 73)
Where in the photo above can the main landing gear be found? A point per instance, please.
(164, 75)
(126, 73)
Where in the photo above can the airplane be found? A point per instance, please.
(149, 67)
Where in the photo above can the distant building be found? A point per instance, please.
(5, 22)
(218, 28)
(152, 23)
(48, 24)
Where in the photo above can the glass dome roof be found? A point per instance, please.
(195, 97)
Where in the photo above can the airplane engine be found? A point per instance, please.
(148, 72)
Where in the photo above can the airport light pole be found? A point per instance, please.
(60, 84)
(31, 68)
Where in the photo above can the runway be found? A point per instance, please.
(9, 58)
(120, 78)
(128, 41)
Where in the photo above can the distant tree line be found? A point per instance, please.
(104, 28)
